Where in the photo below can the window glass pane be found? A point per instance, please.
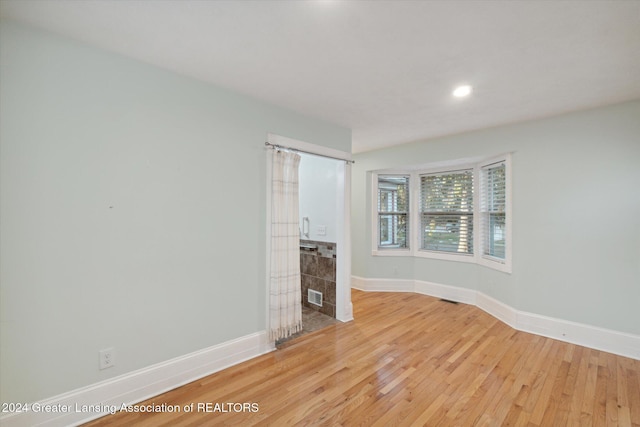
(493, 202)
(494, 243)
(446, 222)
(393, 211)
(447, 233)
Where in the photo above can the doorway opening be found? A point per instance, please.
(325, 244)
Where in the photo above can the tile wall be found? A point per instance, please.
(318, 268)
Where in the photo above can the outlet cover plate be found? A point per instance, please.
(107, 358)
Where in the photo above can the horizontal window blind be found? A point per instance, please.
(446, 212)
(493, 201)
(393, 211)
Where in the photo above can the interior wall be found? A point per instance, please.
(318, 184)
(576, 235)
(132, 207)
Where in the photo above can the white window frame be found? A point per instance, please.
(391, 251)
(488, 260)
(427, 253)
(413, 240)
(395, 214)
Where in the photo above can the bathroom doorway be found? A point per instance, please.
(318, 232)
(325, 239)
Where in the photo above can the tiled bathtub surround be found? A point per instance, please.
(318, 268)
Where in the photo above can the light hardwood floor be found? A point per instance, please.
(410, 360)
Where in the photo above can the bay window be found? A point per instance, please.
(458, 211)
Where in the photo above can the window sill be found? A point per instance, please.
(492, 263)
(445, 256)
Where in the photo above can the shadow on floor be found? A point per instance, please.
(311, 321)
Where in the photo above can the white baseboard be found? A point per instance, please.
(615, 342)
(453, 293)
(498, 309)
(621, 343)
(142, 384)
(347, 315)
(382, 285)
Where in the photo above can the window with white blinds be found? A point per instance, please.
(446, 212)
(393, 211)
(493, 203)
(457, 210)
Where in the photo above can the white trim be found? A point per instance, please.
(344, 307)
(453, 293)
(498, 309)
(375, 249)
(621, 343)
(447, 256)
(358, 283)
(503, 265)
(267, 269)
(382, 285)
(608, 340)
(417, 226)
(374, 216)
(144, 383)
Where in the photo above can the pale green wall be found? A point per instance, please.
(576, 210)
(132, 212)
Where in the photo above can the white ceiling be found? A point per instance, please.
(385, 69)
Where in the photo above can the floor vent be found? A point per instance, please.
(449, 301)
(314, 297)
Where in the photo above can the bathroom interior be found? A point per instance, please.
(318, 180)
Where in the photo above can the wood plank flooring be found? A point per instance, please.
(410, 360)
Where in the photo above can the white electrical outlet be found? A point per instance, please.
(322, 230)
(107, 358)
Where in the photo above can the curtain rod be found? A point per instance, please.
(276, 146)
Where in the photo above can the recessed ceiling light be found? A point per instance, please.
(462, 91)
